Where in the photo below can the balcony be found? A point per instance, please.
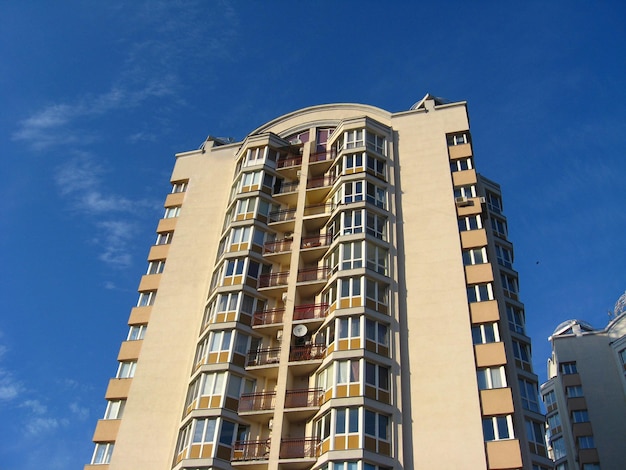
(312, 280)
(273, 279)
(268, 317)
(308, 352)
(287, 194)
(251, 450)
(257, 402)
(289, 162)
(283, 220)
(276, 247)
(303, 448)
(319, 163)
(317, 215)
(263, 357)
(304, 398)
(313, 248)
(318, 188)
(310, 312)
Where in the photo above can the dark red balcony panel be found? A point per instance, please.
(321, 157)
(308, 352)
(262, 357)
(313, 274)
(308, 312)
(280, 246)
(257, 401)
(304, 398)
(307, 447)
(251, 450)
(320, 182)
(317, 241)
(268, 317)
(273, 279)
(288, 162)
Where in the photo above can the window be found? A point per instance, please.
(574, 391)
(504, 256)
(255, 156)
(558, 447)
(549, 399)
(465, 191)
(377, 226)
(351, 255)
(250, 181)
(349, 327)
(496, 428)
(115, 409)
(536, 437)
(179, 186)
(376, 166)
(102, 453)
(171, 212)
(528, 391)
(499, 227)
(515, 316)
(473, 222)
(377, 376)
(203, 430)
(561, 466)
(521, 352)
(353, 162)
(228, 433)
(346, 420)
(458, 139)
(350, 287)
(591, 466)
(352, 192)
(509, 284)
(494, 202)
(377, 332)
(568, 368)
(164, 238)
(353, 138)
(580, 416)
(479, 292)
(126, 370)
(554, 423)
(586, 442)
(474, 256)
(376, 143)
(156, 267)
(347, 371)
(485, 333)
(461, 164)
(352, 222)
(491, 377)
(377, 258)
(136, 332)
(376, 295)
(376, 425)
(146, 298)
(376, 195)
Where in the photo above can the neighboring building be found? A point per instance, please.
(585, 394)
(334, 292)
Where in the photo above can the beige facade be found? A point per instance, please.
(584, 395)
(334, 292)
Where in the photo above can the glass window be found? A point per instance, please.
(377, 226)
(554, 423)
(377, 258)
(568, 368)
(558, 447)
(528, 391)
(497, 428)
(473, 222)
(474, 256)
(515, 316)
(115, 409)
(102, 453)
(136, 332)
(479, 292)
(485, 333)
(126, 370)
(574, 391)
(156, 267)
(586, 442)
(580, 416)
(491, 377)
(146, 298)
(172, 212)
(504, 256)
(204, 430)
(179, 186)
(164, 238)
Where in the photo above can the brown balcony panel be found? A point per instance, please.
(289, 162)
(313, 274)
(304, 398)
(263, 357)
(307, 353)
(320, 182)
(251, 450)
(268, 317)
(257, 401)
(317, 241)
(299, 448)
(273, 279)
(280, 246)
(321, 157)
(308, 312)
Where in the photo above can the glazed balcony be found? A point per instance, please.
(299, 448)
(268, 317)
(310, 312)
(251, 450)
(257, 402)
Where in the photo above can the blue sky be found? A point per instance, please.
(98, 96)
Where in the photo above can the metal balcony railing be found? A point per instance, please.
(289, 162)
(319, 209)
(279, 246)
(282, 215)
(251, 450)
(308, 352)
(322, 156)
(307, 447)
(288, 187)
(304, 398)
(273, 279)
(320, 182)
(313, 274)
(268, 317)
(257, 401)
(262, 357)
(308, 312)
(317, 241)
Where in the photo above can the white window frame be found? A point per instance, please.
(374, 228)
(156, 266)
(481, 292)
(179, 186)
(485, 333)
(136, 332)
(147, 298)
(491, 377)
(164, 238)
(171, 212)
(474, 256)
(472, 222)
(499, 424)
(530, 395)
(376, 143)
(102, 453)
(115, 409)
(126, 370)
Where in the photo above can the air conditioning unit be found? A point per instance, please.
(483, 200)
(462, 201)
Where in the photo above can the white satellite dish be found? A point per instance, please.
(300, 330)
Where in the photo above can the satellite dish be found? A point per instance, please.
(300, 330)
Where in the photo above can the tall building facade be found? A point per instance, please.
(585, 394)
(334, 292)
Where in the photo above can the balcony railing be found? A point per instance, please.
(305, 398)
(308, 312)
(288, 187)
(307, 447)
(251, 450)
(282, 215)
(321, 156)
(320, 182)
(289, 162)
(273, 279)
(278, 246)
(313, 274)
(258, 401)
(268, 317)
(262, 357)
(318, 240)
(319, 209)
(307, 353)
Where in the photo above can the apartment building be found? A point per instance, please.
(334, 292)
(584, 395)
